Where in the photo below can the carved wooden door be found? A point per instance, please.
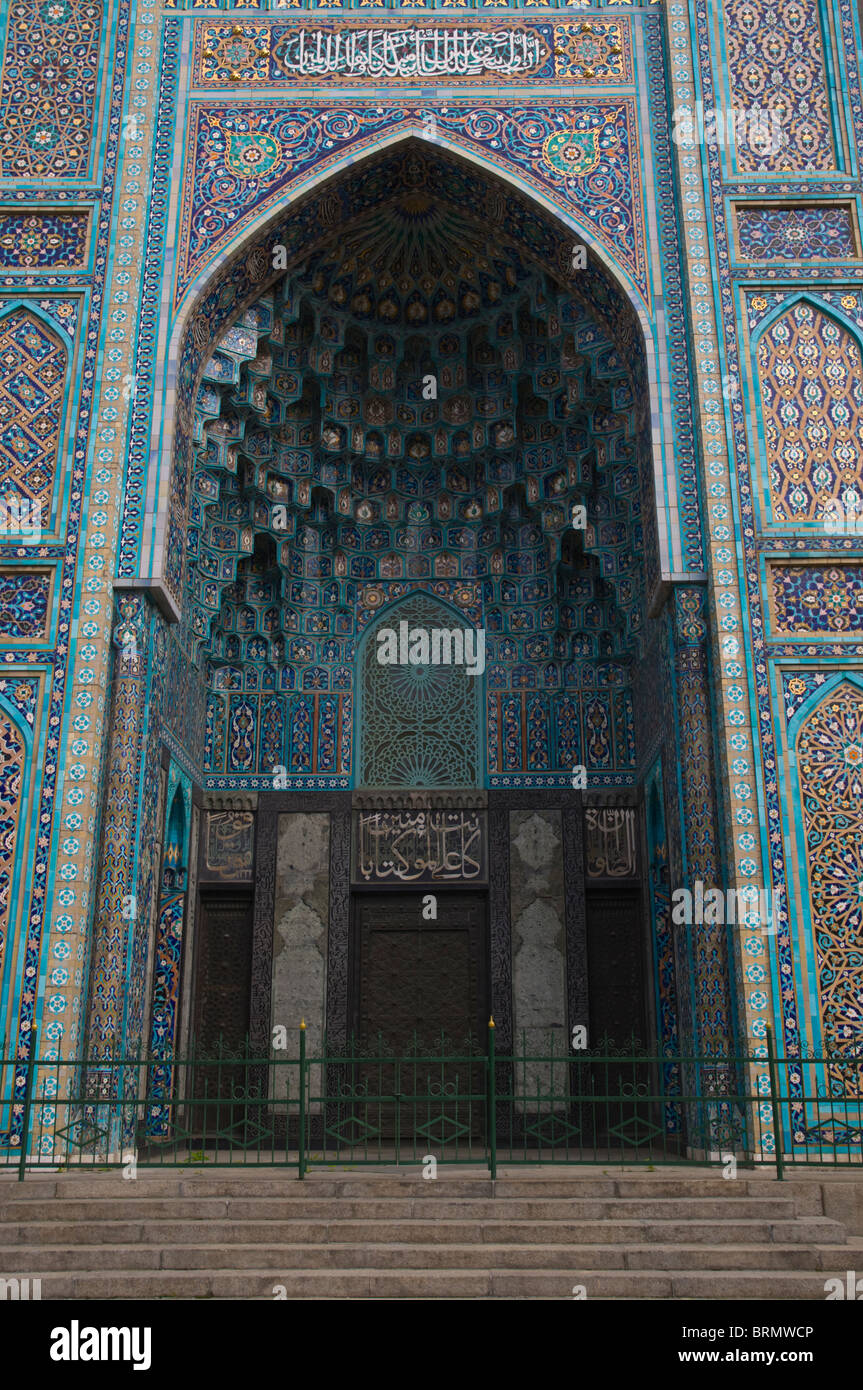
(420, 998)
(222, 1003)
(615, 951)
(613, 1112)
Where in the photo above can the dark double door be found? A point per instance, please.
(224, 1090)
(418, 998)
(609, 1096)
(616, 966)
(419, 1011)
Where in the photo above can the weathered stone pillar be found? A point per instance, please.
(707, 943)
(703, 956)
(124, 889)
(168, 952)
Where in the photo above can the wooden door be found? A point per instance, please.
(222, 1000)
(420, 998)
(614, 1110)
(615, 953)
(416, 976)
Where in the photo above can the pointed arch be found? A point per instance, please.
(418, 724)
(807, 362)
(33, 308)
(826, 736)
(802, 713)
(175, 831)
(241, 273)
(34, 369)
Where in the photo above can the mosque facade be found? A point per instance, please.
(431, 460)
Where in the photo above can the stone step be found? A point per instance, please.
(802, 1230)
(301, 1206)
(284, 1184)
(439, 1283)
(555, 1180)
(450, 1183)
(335, 1255)
(537, 1234)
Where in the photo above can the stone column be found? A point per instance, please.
(122, 913)
(116, 903)
(168, 955)
(707, 945)
(704, 946)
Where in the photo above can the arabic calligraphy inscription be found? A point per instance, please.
(419, 847)
(610, 842)
(264, 52)
(230, 844)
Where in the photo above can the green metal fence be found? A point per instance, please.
(360, 1106)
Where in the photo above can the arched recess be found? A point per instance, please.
(826, 920)
(419, 723)
(175, 839)
(239, 277)
(326, 480)
(34, 368)
(808, 369)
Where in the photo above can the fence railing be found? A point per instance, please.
(362, 1105)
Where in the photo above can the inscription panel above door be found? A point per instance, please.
(419, 846)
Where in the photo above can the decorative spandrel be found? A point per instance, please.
(419, 847)
(419, 723)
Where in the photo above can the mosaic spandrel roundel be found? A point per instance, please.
(417, 405)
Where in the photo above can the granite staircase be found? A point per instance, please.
(531, 1234)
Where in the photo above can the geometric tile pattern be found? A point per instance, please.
(32, 240)
(694, 63)
(848, 302)
(47, 103)
(411, 6)
(24, 604)
(12, 759)
(818, 598)
(796, 233)
(244, 157)
(830, 764)
(797, 687)
(811, 383)
(48, 90)
(775, 61)
(183, 713)
(168, 948)
(22, 691)
(711, 984)
(144, 864)
(730, 513)
(32, 392)
(420, 725)
(663, 937)
(117, 908)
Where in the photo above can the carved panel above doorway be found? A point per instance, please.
(423, 845)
